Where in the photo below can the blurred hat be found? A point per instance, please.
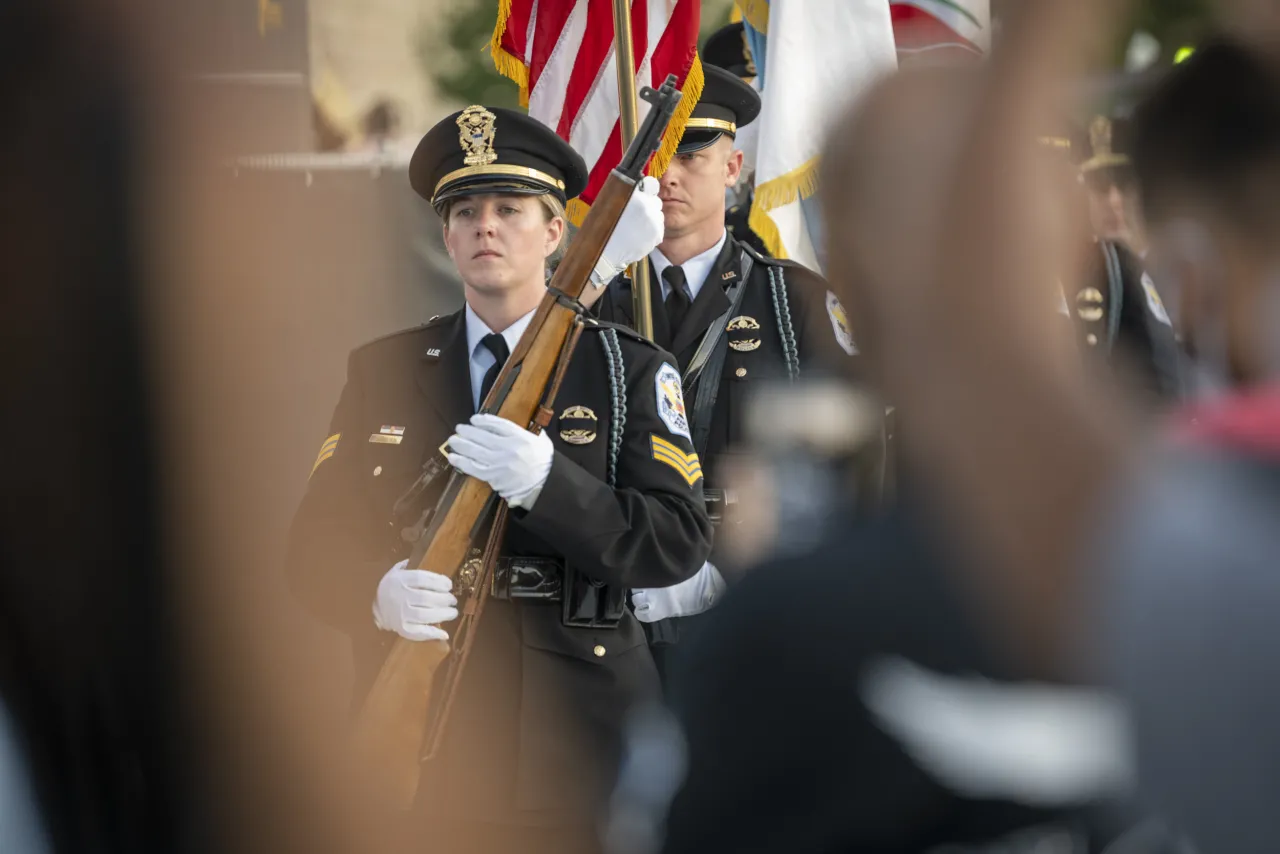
(1106, 145)
(494, 150)
(727, 103)
(727, 48)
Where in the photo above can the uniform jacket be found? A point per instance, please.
(792, 308)
(1119, 311)
(538, 709)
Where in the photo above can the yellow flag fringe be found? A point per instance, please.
(799, 183)
(577, 209)
(510, 66)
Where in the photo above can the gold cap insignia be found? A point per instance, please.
(1100, 135)
(475, 135)
(745, 343)
(577, 435)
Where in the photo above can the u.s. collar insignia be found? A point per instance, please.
(578, 425)
(475, 135)
(1089, 305)
(744, 333)
(840, 324)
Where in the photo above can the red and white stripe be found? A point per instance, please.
(927, 26)
(562, 54)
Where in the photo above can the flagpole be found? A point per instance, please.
(642, 307)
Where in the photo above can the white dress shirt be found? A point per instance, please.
(696, 269)
(480, 357)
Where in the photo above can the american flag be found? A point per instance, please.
(562, 55)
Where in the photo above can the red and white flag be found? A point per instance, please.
(562, 55)
(941, 27)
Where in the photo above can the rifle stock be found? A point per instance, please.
(391, 724)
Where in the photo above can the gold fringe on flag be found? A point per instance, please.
(799, 183)
(510, 66)
(577, 209)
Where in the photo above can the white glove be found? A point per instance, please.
(412, 602)
(639, 229)
(512, 460)
(689, 597)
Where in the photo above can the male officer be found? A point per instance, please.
(731, 316)
(1120, 316)
(608, 497)
(727, 48)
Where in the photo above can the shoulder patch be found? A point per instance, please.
(840, 324)
(1153, 300)
(670, 395)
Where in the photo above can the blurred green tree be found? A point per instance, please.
(454, 54)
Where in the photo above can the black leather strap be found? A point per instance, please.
(1115, 282)
(708, 363)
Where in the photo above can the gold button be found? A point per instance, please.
(742, 372)
(1092, 339)
(377, 471)
(599, 651)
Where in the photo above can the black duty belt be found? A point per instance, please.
(584, 602)
(718, 503)
(540, 578)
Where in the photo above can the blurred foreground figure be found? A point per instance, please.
(875, 713)
(95, 746)
(1157, 570)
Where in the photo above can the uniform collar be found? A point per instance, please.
(477, 329)
(696, 269)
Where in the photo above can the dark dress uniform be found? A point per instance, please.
(786, 323)
(1122, 321)
(532, 739)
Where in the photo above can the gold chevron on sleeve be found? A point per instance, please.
(685, 463)
(326, 450)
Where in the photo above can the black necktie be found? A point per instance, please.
(497, 345)
(677, 302)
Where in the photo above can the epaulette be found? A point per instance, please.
(626, 331)
(770, 261)
(434, 320)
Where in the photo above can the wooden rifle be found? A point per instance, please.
(392, 725)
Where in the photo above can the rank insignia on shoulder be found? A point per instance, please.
(744, 333)
(670, 393)
(687, 464)
(840, 324)
(326, 450)
(578, 425)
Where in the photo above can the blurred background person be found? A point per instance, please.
(1106, 171)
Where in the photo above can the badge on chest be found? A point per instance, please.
(578, 426)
